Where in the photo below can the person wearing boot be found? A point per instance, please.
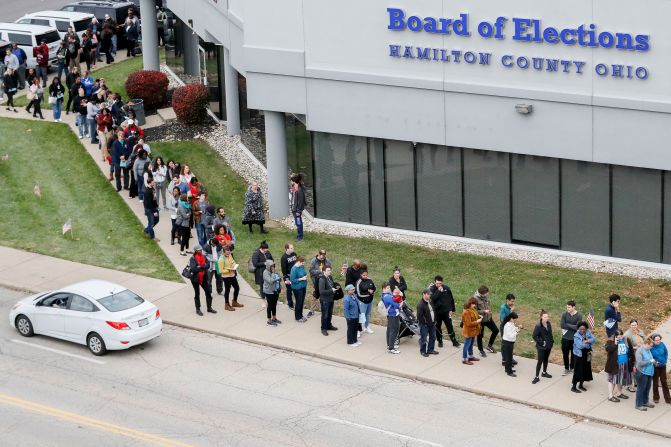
(199, 266)
(443, 306)
(228, 270)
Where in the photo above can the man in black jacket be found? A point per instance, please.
(427, 325)
(287, 261)
(259, 258)
(298, 203)
(150, 209)
(443, 306)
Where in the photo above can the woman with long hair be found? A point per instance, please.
(544, 342)
(11, 85)
(160, 171)
(56, 95)
(471, 319)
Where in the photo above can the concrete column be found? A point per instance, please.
(149, 35)
(232, 98)
(278, 166)
(190, 52)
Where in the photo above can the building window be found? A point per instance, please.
(299, 154)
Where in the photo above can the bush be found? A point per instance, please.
(149, 85)
(190, 102)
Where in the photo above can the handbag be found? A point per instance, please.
(588, 359)
(362, 317)
(382, 309)
(338, 294)
(187, 273)
(52, 100)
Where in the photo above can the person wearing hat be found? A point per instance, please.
(199, 266)
(351, 313)
(427, 325)
(41, 54)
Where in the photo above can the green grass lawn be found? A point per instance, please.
(106, 232)
(535, 286)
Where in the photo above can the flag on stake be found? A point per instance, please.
(37, 190)
(590, 319)
(67, 226)
(5, 157)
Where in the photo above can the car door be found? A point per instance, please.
(49, 315)
(79, 318)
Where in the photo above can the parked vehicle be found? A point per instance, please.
(99, 314)
(29, 36)
(60, 20)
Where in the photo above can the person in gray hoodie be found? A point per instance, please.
(271, 291)
(569, 324)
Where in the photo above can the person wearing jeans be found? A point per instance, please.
(471, 320)
(299, 282)
(228, 271)
(327, 291)
(287, 262)
(351, 314)
(271, 290)
(91, 113)
(569, 324)
(298, 203)
(427, 325)
(392, 304)
(645, 370)
(484, 309)
(365, 291)
(151, 209)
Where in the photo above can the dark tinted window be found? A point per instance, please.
(62, 25)
(42, 22)
(21, 39)
(68, 8)
(50, 37)
(81, 25)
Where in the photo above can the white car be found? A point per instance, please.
(99, 314)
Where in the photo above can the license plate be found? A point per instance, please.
(143, 322)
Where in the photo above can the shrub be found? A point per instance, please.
(190, 102)
(149, 85)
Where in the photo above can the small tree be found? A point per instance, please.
(149, 85)
(190, 103)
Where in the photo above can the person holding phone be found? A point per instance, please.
(471, 329)
(299, 283)
(582, 350)
(228, 269)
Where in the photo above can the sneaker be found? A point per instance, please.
(649, 405)
(576, 390)
(565, 373)
(613, 399)
(440, 344)
(512, 374)
(641, 409)
(353, 345)
(393, 351)
(358, 334)
(491, 349)
(358, 343)
(198, 311)
(310, 314)
(271, 323)
(535, 381)
(369, 330)
(546, 375)
(291, 307)
(277, 321)
(433, 352)
(483, 354)
(325, 332)
(425, 354)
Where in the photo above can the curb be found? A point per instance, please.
(373, 368)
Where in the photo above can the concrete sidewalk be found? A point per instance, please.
(28, 271)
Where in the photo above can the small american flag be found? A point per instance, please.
(67, 226)
(37, 191)
(590, 319)
(5, 157)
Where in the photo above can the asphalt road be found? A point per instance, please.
(14, 9)
(193, 389)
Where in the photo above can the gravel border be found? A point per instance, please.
(242, 162)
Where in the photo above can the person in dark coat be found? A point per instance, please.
(298, 203)
(398, 282)
(427, 325)
(150, 209)
(10, 82)
(327, 289)
(443, 306)
(199, 266)
(583, 340)
(253, 211)
(352, 273)
(121, 161)
(259, 258)
(544, 342)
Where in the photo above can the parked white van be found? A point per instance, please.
(60, 20)
(29, 36)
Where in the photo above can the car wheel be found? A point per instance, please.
(96, 344)
(24, 326)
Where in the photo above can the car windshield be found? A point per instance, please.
(121, 301)
(82, 24)
(50, 37)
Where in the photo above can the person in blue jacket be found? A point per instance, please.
(612, 315)
(583, 340)
(661, 356)
(393, 305)
(351, 312)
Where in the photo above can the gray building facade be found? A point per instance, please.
(520, 122)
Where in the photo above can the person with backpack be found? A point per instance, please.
(257, 264)
(198, 267)
(365, 292)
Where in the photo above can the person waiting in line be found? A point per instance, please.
(397, 281)
(427, 325)
(392, 302)
(9, 81)
(661, 356)
(327, 290)
(271, 291)
(544, 341)
(317, 266)
(645, 370)
(151, 210)
(287, 261)
(35, 95)
(634, 338)
(617, 366)
(259, 258)
(484, 309)
(298, 203)
(506, 309)
(612, 315)
(508, 339)
(365, 291)
(198, 266)
(299, 283)
(569, 324)
(253, 213)
(583, 341)
(443, 305)
(227, 268)
(351, 314)
(352, 273)
(182, 221)
(172, 202)
(471, 321)
(213, 251)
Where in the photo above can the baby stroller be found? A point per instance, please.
(408, 323)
